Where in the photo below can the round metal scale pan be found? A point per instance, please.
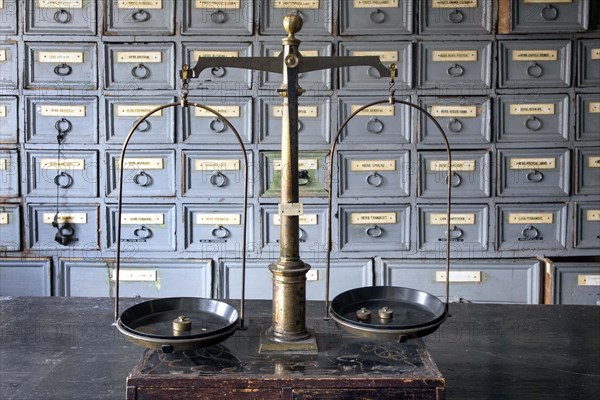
(150, 324)
(415, 313)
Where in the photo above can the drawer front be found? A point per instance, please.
(140, 66)
(314, 125)
(23, 277)
(317, 15)
(201, 126)
(219, 78)
(9, 119)
(577, 283)
(312, 168)
(10, 227)
(379, 124)
(8, 66)
(588, 171)
(374, 174)
(140, 278)
(8, 16)
(345, 275)
(310, 81)
(77, 227)
(74, 175)
(216, 174)
(122, 115)
(368, 78)
(462, 65)
(216, 228)
(216, 17)
(73, 120)
(588, 117)
(468, 230)
(140, 17)
(379, 17)
(587, 225)
(456, 17)
(464, 119)
(144, 227)
(9, 173)
(549, 16)
(60, 17)
(146, 173)
(470, 174)
(480, 281)
(543, 172)
(533, 118)
(589, 63)
(61, 66)
(531, 227)
(374, 227)
(534, 63)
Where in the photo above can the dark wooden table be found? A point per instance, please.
(66, 348)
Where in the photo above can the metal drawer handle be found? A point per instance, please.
(63, 180)
(534, 176)
(140, 16)
(375, 125)
(302, 233)
(303, 178)
(218, 72)
(300, 126)
(374, 179)
(455, 232)
(217, 179)
(456, 180)
(533, 123)
(374, 231)
(455, 70)
(135, 71)
(535, 70)
(377, 16)
(63, 70)
(63, 125)
(64, 234)
(549, 13)
(454, 125)
(144, 126)
(142, 179)
(216, 125)
(373, 73)
(220, 232)
(218, 17)
(142, 232)
(62, 16)
(530, 232)
(456, 16)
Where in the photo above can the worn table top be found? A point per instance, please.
(66, 348)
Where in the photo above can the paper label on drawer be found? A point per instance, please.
(1, 4)
(218, 219)
(63, 218)
(458, 276)
(594, 162)
(454, 55)
(530, 218)
(139, 56)
(3, 218)
(454, 111)
(305, 53)
(594, 108)
(532, 109)
(3, 164)
(592, 215)
(379, 111)
(140, 4)
(214, 53)
(588, 280)
(384, 56)
(457, 166)
(373, 165)
(2, 111)
(532, 163)
(304, 219)
(306, 4)
(217, 165)
(303, 164)
(373, 218)
(226, 111)
(375, 3)
(218, 4)
(455, 219)
(454, 4)
(303, 111)
(72, 57)
(144, 163)
(59, 3)
(3, 56)
(69, 164)
(546, 1)
(595, 54)
(134, 275)
(535, 55)
(137, 110)
(137, 219)
(62, 111)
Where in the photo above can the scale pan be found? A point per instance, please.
(387, 312)
(151, 324)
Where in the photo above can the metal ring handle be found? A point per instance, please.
(549, 13)
(300, 126)
(217, 179)
(455, 182)
(140, 16)
(218, 72)
(142, 232)
(373, 73)
(455, 70)
(377, 16)
(375, 125)
(62, 16)
(217, 125)
(59, 180)
(142, 179)
(63, 125)
(374, 179)
(535, 70)
(533, 123)
(454, 125)
(456, 16)
(530, 232)
(63, 70)
(66, 231)
(146, 127)
(374, 231)
(224, 232)
(455, 232)
(534, 176)
(301, 233)
(140, 67)
(303, 178)
(217, 17)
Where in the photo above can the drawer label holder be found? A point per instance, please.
(140, 219)
(217, 219)
(459, 276)
(135, 275)
(303, 164)
(373, 218)
(3, 218)
(532, 163)
(303, 111)
(218, 4)
(59, 4)
(375, 3)
(455, 219)
(74, 164)
(592, 215)
(588, 280)
(384, 56)
(226, 111)
(217, 165)
(139, 56)
(594, 162)
(54, 57)
(143, 163)
(63, 218)
(454, 55)
(214, 53)
(2, 111)
(137, 110)
(304, 219)
(594, 108)
(304, 4)
(454, 3)
(532, 109)
(62, 111)
(535, 55)
(530, 218)
(454, 111)
(375, 111)
(140, 4)
(372, 165)
(595, 54)
(457, 166)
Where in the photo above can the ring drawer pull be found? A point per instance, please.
(375, 125)
(454, 125)
(456, 180)
(217, 125)
(217, 179)
(534, 176)
(142, 232)
(302, 233)
(140, 16)
(299, 13)
(63, 70)
(455, 70)
(533, 123)
(300, 126)
(64, 234)
(374, 179)
(217, 17)
(374, 231)
(549, 13)
(530, 232)
(455, 232)
(62, 16)
(142, 179)
(220, 232)
(373, 73)
(63, 126)
(535, 70)
(135, 71)
(456, 16)
(63, 180)
(218, 72)
(144, 126)
(377, 16)
(303, 178)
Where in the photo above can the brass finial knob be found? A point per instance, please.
(292, 24)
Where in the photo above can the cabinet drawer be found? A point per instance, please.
(9, 119)
(9, 173)
(216, 17)
(202, 126)
(139, 278)
(368, 78)
(468, 230)
(380, 124)
(312, 168)
(24, 277)
(464, 120)
(140, 17)
(379, 17)
(374, 174)
(549, 16)
(573, 282)
(588, 171)
(147, 173)
(8, 16)
(456, 17)
(460, 65)
(8, 66)
(317, 16)
(74, 175)
(587, 225)
(314, 125)
(481, 281)
(60, 17)
(61, 66)
(531, 227)
(144, 227)
(10, 227)
(77, 227)
(589, 62)
(534, 63)
(74, 120)
(533, 118)
(140, 66)
(539, 172)
(588, 117)
(470, 174)
(374, 227)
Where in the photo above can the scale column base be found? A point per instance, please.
(269, 344)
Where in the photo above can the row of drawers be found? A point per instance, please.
(236, 17)
(217, 229)
(466, 120)
(437, 65)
